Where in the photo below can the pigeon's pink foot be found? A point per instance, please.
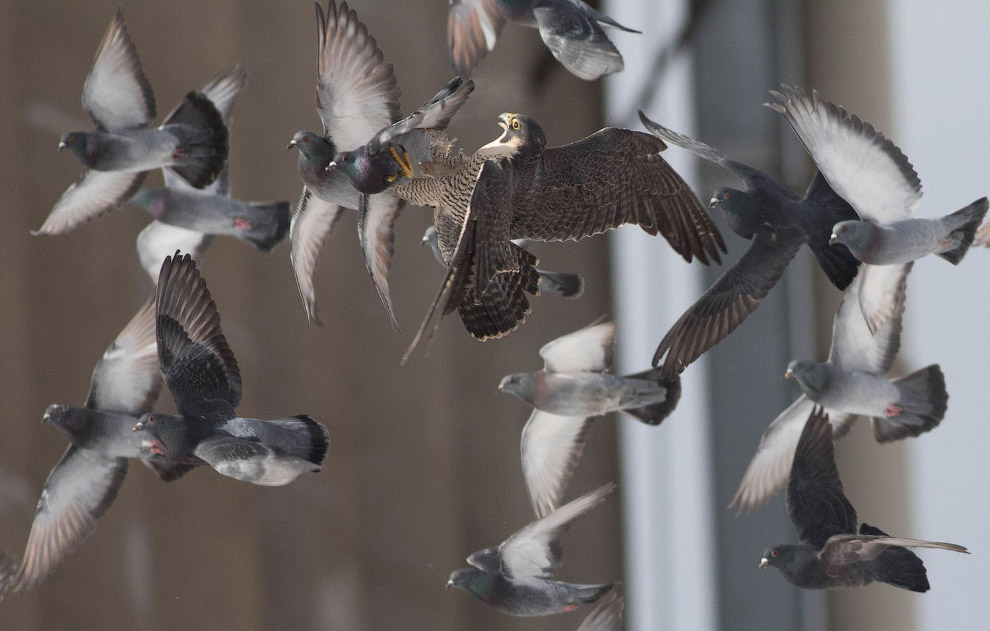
(570, 607)
(945, 242)
(241, 223)
(179, 154)
(893, 410)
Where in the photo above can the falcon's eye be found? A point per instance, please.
(515, 123)
(773, 553)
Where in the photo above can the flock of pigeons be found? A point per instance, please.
(856, 217)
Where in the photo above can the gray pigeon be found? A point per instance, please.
(211, 211)
(84, 483)
(192, 141)
(556, 283)
(832, 553)
(202, 374)
(566, 395)
(606, 616)
(393, 154)
(874, 176)
(515, 576)
(356, 97)
(778, 222)
(571, 29)
(851, 383)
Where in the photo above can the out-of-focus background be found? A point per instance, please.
(423, 465)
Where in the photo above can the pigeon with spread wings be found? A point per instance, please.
(192, 141)
(778, 222)
(851, 383)
(571, 29)
(200, 371)
(571, 390)
(832, 553)
(516, 187)
(875, 177)
(79, 490)
(356, 98)
(516, 578)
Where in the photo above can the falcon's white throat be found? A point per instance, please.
(504, 145)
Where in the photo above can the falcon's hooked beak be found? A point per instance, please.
(833, 239)
(450, 583)
(503, 120)
(788, 374)
(292, 144)
(764, 563)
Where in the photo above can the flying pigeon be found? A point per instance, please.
(851, 383)
(515, 576)
(202, 374)
(393, 153)
(192, 141)
(832, 553)
(778, 222)
(516, 187)
(556, 283)
(84, 483)
(874, 176)
(566, 395)
(356, 98)
(211, 211)
(571, 29)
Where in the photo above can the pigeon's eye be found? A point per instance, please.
(347, 158)
(725, 196)
(305, 138)
(773, 553)
(844, 229)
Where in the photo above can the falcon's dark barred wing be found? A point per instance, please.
(815, 501)
(613, 177)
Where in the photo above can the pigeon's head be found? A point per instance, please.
(75, 141)
(521, 384)
(522, 137)
(429, 236)
(781, 557)
(68, 419)
(811, 376)
(367, 175)
(855, 235)
(472, 580)
(736, 206)
(313, 146)
(165, 434)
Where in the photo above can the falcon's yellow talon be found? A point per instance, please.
(404, 162)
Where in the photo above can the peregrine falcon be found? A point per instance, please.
(516, 187)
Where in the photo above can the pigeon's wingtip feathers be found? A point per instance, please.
(8, 570)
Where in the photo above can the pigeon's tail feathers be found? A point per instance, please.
(962, 226)
(8, 570)
(591, 593)
(312, 440)
(203, 139)
(561, 284)
(922, 406)
(897, 566)
(655, 413)
(282, 212)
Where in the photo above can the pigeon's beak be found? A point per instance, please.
(331, 166)
(788, 374)
(833, 239)
(292, 144)
(712, 202)
(46, 418)
(61, 145)
(450, 583)
(764, 563)
(138, 427)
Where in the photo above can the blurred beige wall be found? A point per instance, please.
(423, 465)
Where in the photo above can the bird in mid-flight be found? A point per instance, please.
(778, 222)
(201, 373)
(874, 176)
(571, 29)
(515, 577)
(832, 553)
(192, 141)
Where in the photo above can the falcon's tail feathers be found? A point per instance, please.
(561, 284)
(963, 225)
(200, 157)
(922, 406)
(312, 440)
(655, 413)
(897, 566)
(272, 233)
